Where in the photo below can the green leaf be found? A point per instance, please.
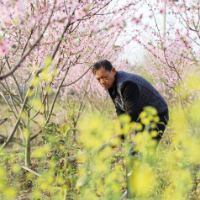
(64, 128)
(89, 6)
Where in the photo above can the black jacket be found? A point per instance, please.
(131, 93)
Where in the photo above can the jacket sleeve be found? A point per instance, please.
(131, 96)
(119, 111)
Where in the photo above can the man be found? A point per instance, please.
(130, 93)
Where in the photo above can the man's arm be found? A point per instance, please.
(131, 95)
(119, 111)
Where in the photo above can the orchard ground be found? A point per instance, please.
(27, 185)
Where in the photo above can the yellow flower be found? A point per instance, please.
(9, 193)
(15, 168)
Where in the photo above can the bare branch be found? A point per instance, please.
(78, 78)
(3, 120)
(61, 39)
(1, 92)
(18, 43)
(13, 140)
(30, 170)
(29, 37)
(11, 97)
(15, 80)
(18, 120)
(33, 137)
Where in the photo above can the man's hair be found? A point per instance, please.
(103, 63)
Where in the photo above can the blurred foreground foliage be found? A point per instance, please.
(171, 172)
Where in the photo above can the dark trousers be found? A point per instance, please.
(135, 154)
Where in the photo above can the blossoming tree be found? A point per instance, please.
(47, 46)
(170, 55)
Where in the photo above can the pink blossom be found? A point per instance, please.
(94, 28)
(162, 11)
(4, 47)
(137, 20)
(150, 16)
(84, 9)
(190, 56)
(117, 23)
(72, 3)
(79, 14)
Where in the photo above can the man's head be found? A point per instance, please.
(104, 73)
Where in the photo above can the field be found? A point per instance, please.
(60, 137)
(98, 175)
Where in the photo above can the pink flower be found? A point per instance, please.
(150, 16)
(162, 11)
(137, 20)
(94, 28)
(4, 47)
(117, 23)
(79, 14)
(84, 9)
(72, 4)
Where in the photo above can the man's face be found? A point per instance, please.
(105, 78)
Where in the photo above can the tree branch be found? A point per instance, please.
(3, 120)
(30, 170)
(13, 140)
(79, 77)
